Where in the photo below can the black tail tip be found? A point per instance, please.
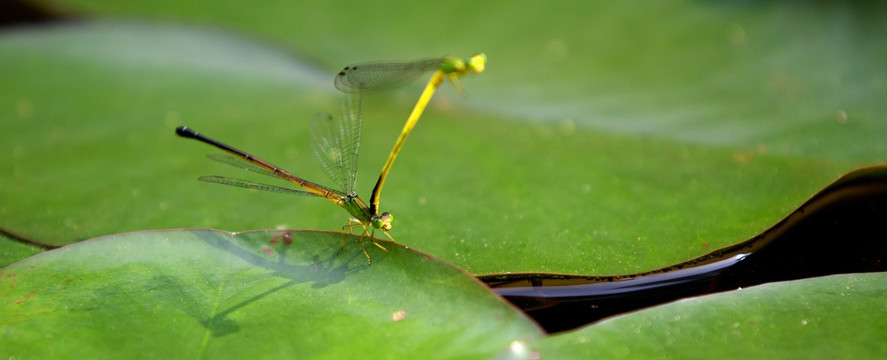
(184, 131)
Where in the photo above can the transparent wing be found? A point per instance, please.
(246, 165)
(253, 185)
(241, 163)
(351, 120)
(383, 75)
(336, 142)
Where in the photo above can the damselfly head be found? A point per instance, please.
(383, 221)
(477, 62)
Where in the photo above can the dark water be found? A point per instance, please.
(842, 229)
(20, 12)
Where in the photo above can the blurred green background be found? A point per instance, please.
(603, 138)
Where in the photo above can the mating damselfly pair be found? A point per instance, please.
(336, 141)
